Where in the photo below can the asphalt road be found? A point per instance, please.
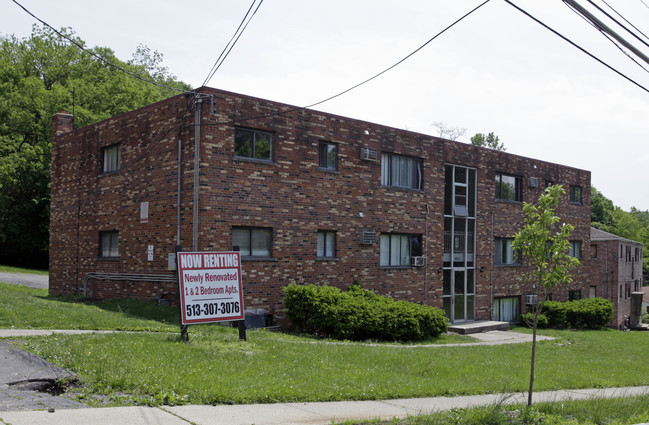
(35, 281)
(25, 380)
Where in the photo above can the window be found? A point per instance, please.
(396, 250)
(575, 195)
(326, 244)
(505, 254)
(593, 251)
(508, 188)
(574, 295)
(574, 250)
(111, 159)
(253, 144)
(400, 171)
(109, 244)
(327, 156)
(252, 241)
(507, 309)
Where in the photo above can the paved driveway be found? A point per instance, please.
(36, 281)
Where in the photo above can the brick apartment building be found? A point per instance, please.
(306, 196)
(616, 272)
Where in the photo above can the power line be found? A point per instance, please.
(298, 108)
(97, 56)
(402, 60)
(576, 45)
(608, 37)
(616, 21)
(625, 20)
(228, 47)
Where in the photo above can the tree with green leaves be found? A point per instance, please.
(544, 243)
(602, 211)
(40, 76)
(490, 141)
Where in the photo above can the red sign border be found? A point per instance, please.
(181, 288)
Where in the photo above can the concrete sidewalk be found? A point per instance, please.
(292, 413)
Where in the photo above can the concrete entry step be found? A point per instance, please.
(466, 328)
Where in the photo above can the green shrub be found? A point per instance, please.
(359, 314)
(528, 318)
(587, 313)
(556, 314)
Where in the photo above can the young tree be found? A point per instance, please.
(490, 141)
(544, 244)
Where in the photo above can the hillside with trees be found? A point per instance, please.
(40, 76)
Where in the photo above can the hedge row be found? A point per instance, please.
(358, 314)
(587, 313)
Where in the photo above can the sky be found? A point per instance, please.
(497, 70)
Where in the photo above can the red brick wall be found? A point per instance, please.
(622, 273)
(291, 195)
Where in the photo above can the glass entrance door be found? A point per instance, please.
(459, 294)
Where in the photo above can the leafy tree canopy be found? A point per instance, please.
(40, 76)
(602, 211)
(490, 141)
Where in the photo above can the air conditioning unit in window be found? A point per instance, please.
(368, 238)
(531, 299)
(533, 182)
(418, 261)
(368, 154)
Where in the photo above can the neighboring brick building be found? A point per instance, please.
(308, 197)
(616, 272)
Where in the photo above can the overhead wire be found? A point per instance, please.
(625, 20)
(577, 46)
(609, 38)
(298, 108)
(95, 55)
(617, 22)
(235, 37)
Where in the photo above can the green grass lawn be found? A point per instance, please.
(11, 269)
(215, 367)
(614, 411)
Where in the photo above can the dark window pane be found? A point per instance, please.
(243, 141)
(263, 146)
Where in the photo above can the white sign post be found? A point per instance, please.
(210, 287)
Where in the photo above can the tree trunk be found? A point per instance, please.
(529, 394)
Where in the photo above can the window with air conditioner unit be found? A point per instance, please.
(397, 250)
